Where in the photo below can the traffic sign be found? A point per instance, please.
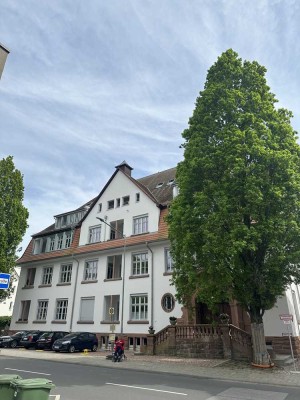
(4, 281)
(286, 317)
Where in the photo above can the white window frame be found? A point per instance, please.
(30, 277)
(115, 267)
(125, 200)
(68, 239)
(90, 270)
(139, 307)
(47, 275)
(65, 275)
(95, 234)
(60, 239)
(169, 264)
(42, 310)
(61, 309)
(111, 204)
(24, 310)
(140, 263)
(140, 224)
(137, 197)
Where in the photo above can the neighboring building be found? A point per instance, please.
(106, 266)
(7, 305)
(86, 274)
(3, 55)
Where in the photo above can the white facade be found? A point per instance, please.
(119, 274)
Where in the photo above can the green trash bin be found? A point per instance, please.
(6, 391)
(32, 389)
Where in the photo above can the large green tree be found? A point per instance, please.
(235, 225)
(13, 216)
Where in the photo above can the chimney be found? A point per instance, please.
(124, 167)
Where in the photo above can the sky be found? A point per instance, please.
(88, 84)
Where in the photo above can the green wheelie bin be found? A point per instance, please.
(31, 389)
(6, 391)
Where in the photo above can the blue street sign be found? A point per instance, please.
(4, 281)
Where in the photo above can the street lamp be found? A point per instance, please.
(123, 272)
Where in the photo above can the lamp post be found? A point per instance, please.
(123, 272)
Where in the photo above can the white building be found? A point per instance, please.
(105, 265)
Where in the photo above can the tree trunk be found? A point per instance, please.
(261, 356)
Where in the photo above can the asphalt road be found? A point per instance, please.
(84, 382)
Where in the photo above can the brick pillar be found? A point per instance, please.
(150, 345)
(227, 346)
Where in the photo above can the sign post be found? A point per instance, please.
(287, 320)
(4, 281)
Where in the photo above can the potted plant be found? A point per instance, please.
(151, 330)
(173, 320)
(224, 318)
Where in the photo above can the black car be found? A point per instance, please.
(30, 340)
(48, 338)
(76, 341)
(12, 341)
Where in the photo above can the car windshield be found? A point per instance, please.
(70, 336)
(47, 335)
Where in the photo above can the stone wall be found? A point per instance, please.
(281, 344)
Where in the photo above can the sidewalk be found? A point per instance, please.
(214, 369)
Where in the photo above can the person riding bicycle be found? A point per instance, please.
(119, 348)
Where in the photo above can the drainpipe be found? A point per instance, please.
(74, 293)
(152, 285)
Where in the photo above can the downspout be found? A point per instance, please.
(74, 293)
(152, 286)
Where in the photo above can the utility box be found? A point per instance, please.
(31, 389)
(6, 391)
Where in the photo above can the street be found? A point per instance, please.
(85, 382)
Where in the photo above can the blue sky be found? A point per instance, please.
(91, 83)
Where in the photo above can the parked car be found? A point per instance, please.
(48, 338)
(76, 341)
(12, 341)
(30, 340)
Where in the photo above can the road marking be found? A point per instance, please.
(142, 388)
(247, 394)
(56, 396)
(23, 370)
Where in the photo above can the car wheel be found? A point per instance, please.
(71, 349)
(13, 344)
(94, 348)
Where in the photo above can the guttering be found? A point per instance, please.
(152, 285)
(74, 293)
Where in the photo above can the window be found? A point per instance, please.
(168, 302)
(61, 309)
(140, 224)
(65, 273)
(68, 239)
(87, 309)
(137, 197)
(24, 311)
(90, 270)
(139, 307)
(95, 234)
(42, 310)
(60, 238)
(30, 277)
(125, 200)
(159, 185)
(52, 243)
(140, 264)
(116, 231)
(114, 267)
(99, 207)
(47, 276)
(110, 204)
(168, 261)
(118, 202)
(111, 308)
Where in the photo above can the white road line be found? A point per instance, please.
(142, 388)
(23, 370)
(56, 396)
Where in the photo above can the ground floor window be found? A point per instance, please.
(61, 309)
(139, 307)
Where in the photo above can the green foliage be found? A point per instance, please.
(4, 322)
(13, 216)
(235, 225)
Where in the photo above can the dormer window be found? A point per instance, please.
(159, 185)
(110, 204)
(171, 181)
(125, 200)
